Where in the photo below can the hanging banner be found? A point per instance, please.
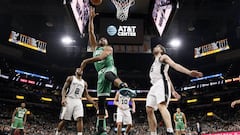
(211, 48)
(28, 42)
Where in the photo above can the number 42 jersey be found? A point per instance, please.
(76, 88)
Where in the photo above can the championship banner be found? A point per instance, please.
(211, 48)
(225, 133)
(28, 42)
(161, 13)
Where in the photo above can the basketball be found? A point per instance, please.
(96, 2)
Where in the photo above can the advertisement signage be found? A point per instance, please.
(211, 48)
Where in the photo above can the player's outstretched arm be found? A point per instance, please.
(107, 51)
(92, 37)
(89, 98)
(180, 68)
(64, 89)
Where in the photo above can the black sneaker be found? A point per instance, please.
(170, 133)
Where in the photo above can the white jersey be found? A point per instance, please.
(158, 70)
(124, 101)
(76, 88)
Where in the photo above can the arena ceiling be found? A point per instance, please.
(196, 22)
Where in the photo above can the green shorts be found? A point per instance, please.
(103, 85)
(18, 123)
(180, 126)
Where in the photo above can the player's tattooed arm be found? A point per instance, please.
(64, 89)
(107, 51)
(92, 37)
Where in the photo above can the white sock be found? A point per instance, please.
(153, 133)
(170, 130)
(57, 133)
(79, 133)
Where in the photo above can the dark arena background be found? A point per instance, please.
(44, 41)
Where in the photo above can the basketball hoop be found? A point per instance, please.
(122, 7)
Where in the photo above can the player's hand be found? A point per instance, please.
(233, 104)
(64, 102)
(185, 125)
(176, 95)
(83, 65)
(12, 120)
(95, 104)
(133, 110)
(92, 12)
(120, 106)
(195, 73)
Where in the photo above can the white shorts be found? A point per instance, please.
(159, 92)
(124, 116)
(73, 108)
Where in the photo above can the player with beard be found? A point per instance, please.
(107, 72)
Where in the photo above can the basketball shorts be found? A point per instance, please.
(73, 108)
(18, 123)
(159, 92)
(103, 85)
(180, 126)
(124, 116)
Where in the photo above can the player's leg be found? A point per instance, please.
(119, 128)
(128, 121)
(166, 117)
(178, 128)
(119, 121)
(101, 121)
(182, 129)
(79, 125)
(60, 127)
(65, 114)
(78, 114)
(152, 121)
(111, 75)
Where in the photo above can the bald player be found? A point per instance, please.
(107, 72)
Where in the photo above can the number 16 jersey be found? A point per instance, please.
(76, 88)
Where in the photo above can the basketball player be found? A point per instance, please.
(104, 65)
(19, 118)
(71, 101)
(123, 112)
(180, 122)
(160, 92)
(235, 102)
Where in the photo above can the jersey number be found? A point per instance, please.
(124, 101)
(77, 91)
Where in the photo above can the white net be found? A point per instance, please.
(122, 7)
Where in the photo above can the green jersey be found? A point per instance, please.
(20, 112)
(179, 117)
(107, 62)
